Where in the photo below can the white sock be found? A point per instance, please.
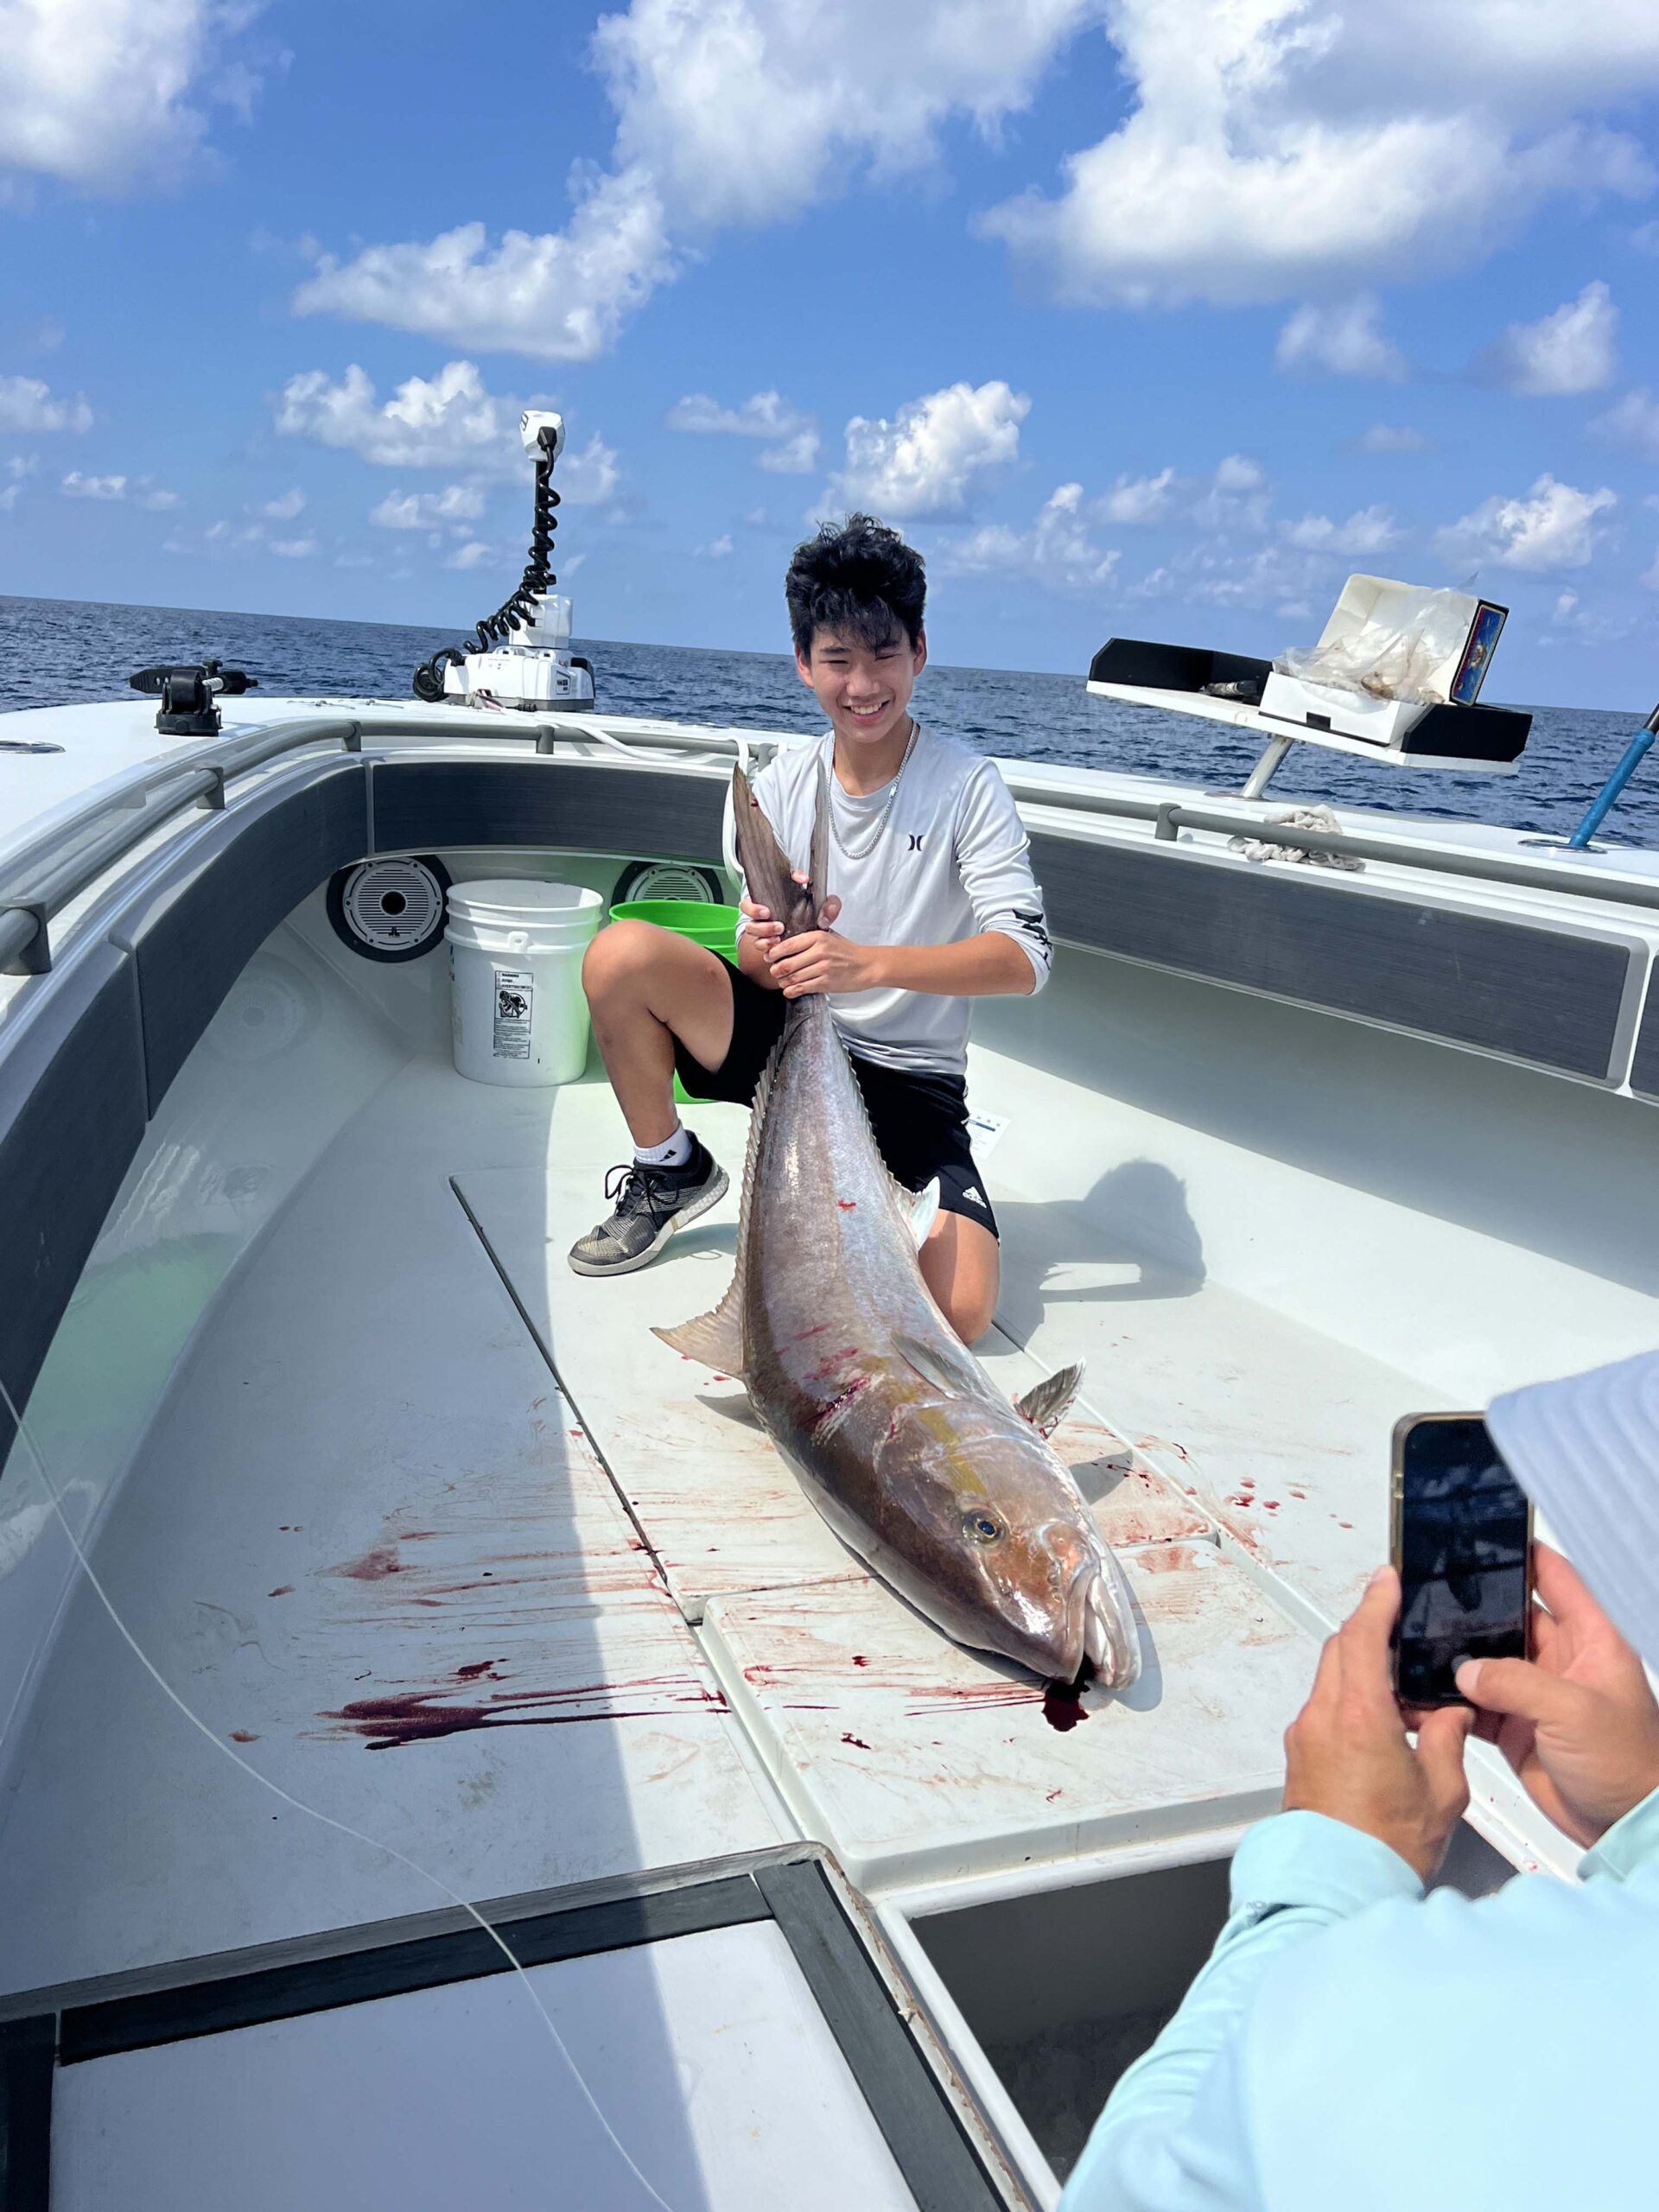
(673, 1152)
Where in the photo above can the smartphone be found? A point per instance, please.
(1462, 1539)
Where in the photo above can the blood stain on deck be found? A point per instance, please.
(420, 1716)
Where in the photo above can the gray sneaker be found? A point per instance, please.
(652, 1203)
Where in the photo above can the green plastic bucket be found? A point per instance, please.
(700, 920)
(705, 924)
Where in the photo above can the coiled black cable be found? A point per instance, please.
(515, 610)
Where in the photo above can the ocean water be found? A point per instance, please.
(54, 650)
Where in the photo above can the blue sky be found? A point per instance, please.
(1152, 317)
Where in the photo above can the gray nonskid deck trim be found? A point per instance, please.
(1518, 988)
(1644, 1066)
(424, 806)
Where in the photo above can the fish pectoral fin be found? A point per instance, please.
(714, 1338)
(921, 1209)
(1046, 1404)
(954, 1371)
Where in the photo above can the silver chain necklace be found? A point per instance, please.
(863, 851)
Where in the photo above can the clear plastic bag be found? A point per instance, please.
(1416, 661)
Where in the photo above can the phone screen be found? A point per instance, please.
(1462, 1542)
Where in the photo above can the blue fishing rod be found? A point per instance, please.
(1608, 798)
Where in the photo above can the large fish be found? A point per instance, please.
(918, 1462)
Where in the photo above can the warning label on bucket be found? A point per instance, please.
(515, 994)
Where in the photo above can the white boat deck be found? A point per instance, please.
(535, 1636)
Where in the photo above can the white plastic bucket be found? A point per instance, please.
(515, 980)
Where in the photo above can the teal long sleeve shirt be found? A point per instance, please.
(1355, 2046)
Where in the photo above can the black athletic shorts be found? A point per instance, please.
(921, 1119)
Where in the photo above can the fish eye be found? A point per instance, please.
(983, 1527)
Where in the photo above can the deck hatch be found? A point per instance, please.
(790, 1889)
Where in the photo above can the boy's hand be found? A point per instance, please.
(1346, 1753)
(1578, 1721)
(797, 974)
(821, 961)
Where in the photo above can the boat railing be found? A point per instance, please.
(72, 847)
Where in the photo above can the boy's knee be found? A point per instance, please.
(971, 1316)
(619, 952)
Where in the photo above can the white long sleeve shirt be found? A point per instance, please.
(951, 863)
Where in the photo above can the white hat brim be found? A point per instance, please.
(1586, 1450)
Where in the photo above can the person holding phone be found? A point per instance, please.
(1356, 2042)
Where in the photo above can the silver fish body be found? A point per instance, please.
(916, 1461)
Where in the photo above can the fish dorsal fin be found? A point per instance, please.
(1046, 1404)
(714, 1338)
(920, 1207)
(947, 1368)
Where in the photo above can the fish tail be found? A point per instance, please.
(768, 874)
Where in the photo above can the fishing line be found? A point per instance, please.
(311, 1812)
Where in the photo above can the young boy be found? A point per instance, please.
(937, 904)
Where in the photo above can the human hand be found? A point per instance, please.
(764, 931)
(821, 961)
(1578, 1722)
(1346, 1753)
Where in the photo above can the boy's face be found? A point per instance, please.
(864, 689)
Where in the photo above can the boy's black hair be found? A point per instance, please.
(859, 578)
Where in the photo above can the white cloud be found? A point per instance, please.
(1370, 530)
(718, 549)
(1633, 423)
(1645, 237)
(471, 555)
(1573, 350)
(589, 478)
(1393, 438)
(559, 297)
(1237, 497)
(1056, 551)
(1269, 148)
(797, 456)
(925, 462)
(8, 497)
(1139, 498)
(281, 509)
(22, 464)
(159, 502)
(420, 509)
(294, 548)
(729, 111)
(76, 486)
(1554, 527)
(1347, 340)
(793, 450)
(26, 405)
(428, 423)
(106, 93)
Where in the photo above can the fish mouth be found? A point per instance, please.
(1101, 1620)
